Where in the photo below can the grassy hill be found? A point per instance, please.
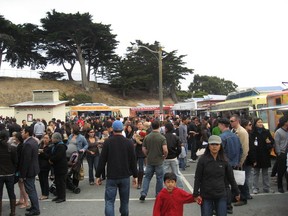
(16, 90)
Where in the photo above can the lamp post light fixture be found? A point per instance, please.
(135, 49)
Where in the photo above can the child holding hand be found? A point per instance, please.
(171, 199)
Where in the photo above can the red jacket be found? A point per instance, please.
(171, 204)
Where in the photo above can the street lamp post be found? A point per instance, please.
(135, 48)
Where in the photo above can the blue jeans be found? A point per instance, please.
(182, 164)
(173, 164)
(123, 185)
(92, 161)
(30, 188)
(149, 172)
(9, 183)
(208, 206)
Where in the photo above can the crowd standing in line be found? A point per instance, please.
(245, 144)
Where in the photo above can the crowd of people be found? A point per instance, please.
(53, 150)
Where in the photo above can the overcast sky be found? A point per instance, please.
(245, 41)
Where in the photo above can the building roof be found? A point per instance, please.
(45, 90)
(37, 104)
(214, 97)
(253, 91)
(269, 88)
(185, 106)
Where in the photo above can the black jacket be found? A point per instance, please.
(262, 149)
(19, 152)
(8, 158)
(44, 158)
(173, 144)
(251, 157)
(211, 177)
(118, 152)
(58, 158)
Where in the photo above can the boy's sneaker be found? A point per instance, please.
(142, 198)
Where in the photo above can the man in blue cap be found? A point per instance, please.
(119, 155)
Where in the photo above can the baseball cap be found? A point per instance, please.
(117, 125)
(214, 140)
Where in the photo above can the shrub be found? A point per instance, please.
(76, 99)
(51, 75)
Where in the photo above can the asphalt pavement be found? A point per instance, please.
(90, 202)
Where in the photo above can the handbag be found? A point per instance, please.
(200, 151)
(239, 176)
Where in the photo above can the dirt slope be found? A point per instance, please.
(16, 90)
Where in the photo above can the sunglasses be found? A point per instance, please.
(214, 144)
(231, 121)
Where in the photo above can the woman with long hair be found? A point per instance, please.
(263, 143)
(45, 166)
(92, 154)
(129, 131)
(212, 174)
